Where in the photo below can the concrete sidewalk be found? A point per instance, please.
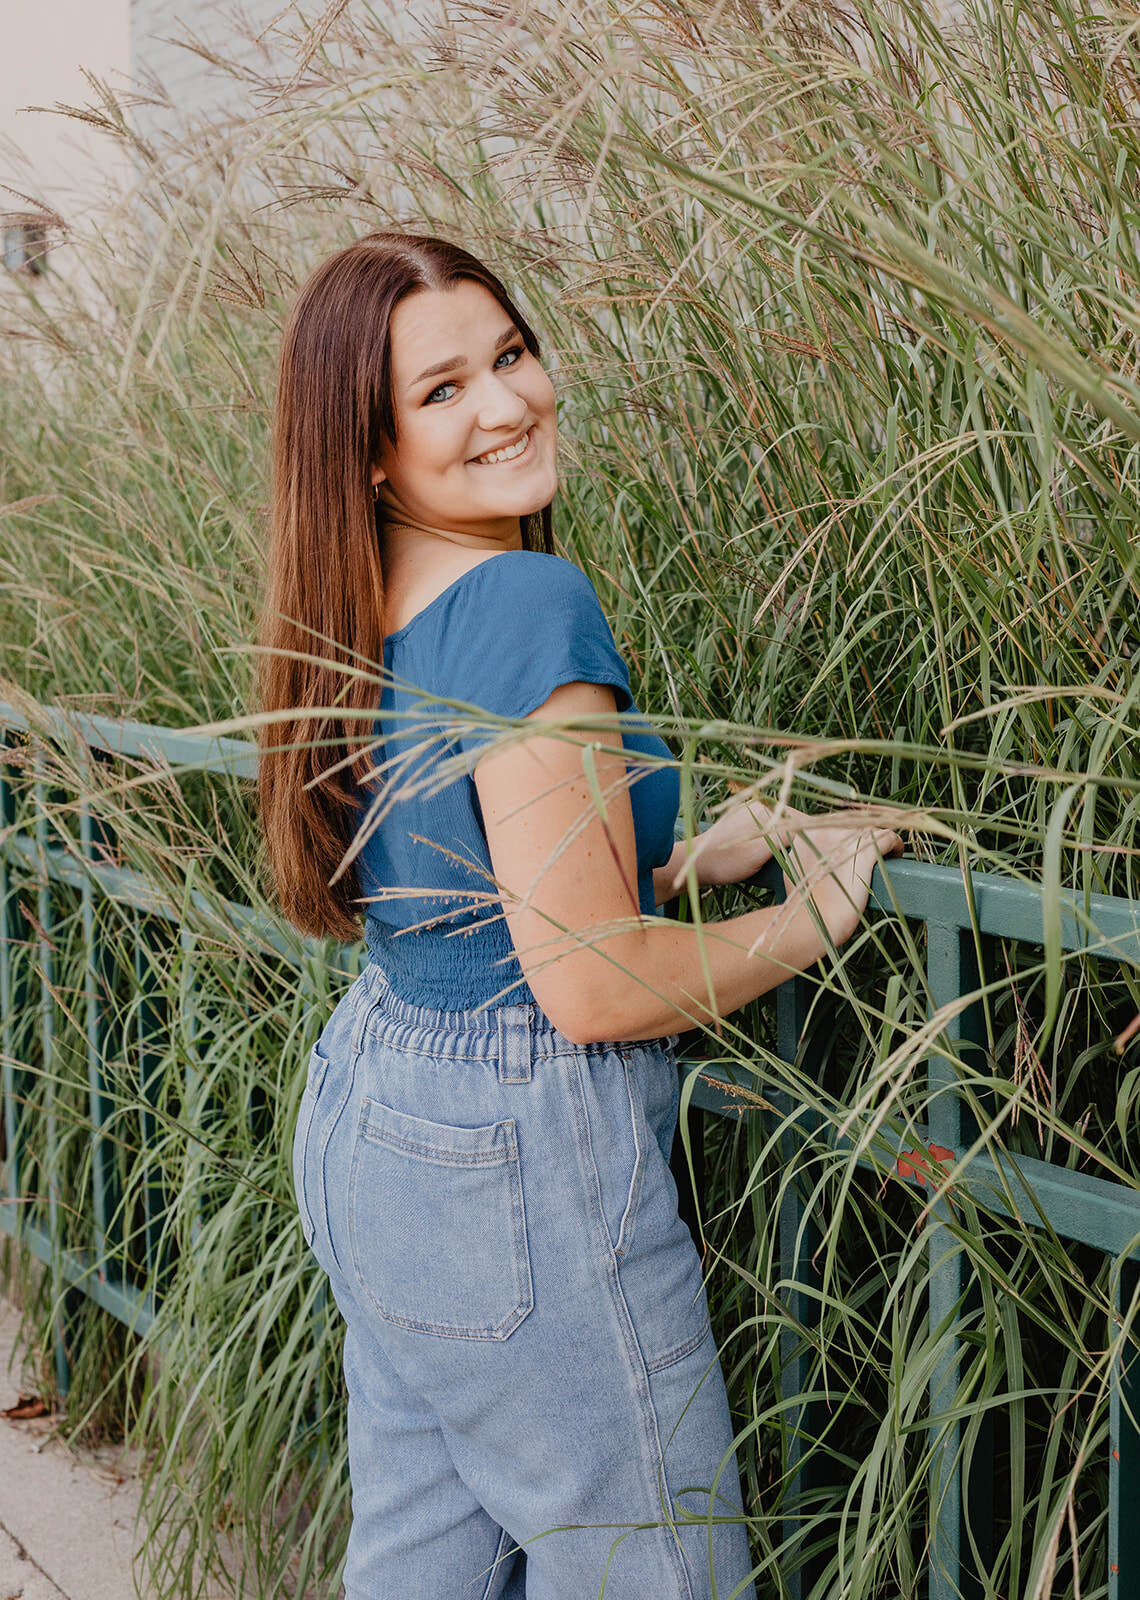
(67, 1517)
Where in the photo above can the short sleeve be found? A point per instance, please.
(534, 622)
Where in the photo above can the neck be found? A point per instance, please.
(404, 533)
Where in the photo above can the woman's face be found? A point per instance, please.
(493, 394)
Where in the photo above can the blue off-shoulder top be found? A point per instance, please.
(502, 637)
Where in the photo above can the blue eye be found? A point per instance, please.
(516, 350)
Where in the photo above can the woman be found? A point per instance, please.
(481, 1155)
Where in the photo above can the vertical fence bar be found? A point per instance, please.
(689, 1188)
(151, 1029)
(798, 1239)
(51, 1164)
(95, 1097)
(96, 841)
(192, 1090)
(952, 971)
(1124, 1456)
(12, 1088)
(15, 1002)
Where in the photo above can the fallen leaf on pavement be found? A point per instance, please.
(27, 1406)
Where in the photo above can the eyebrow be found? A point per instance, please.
(460, 361)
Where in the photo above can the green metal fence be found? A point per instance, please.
(962, 921)
(49, 858)
(963, 917)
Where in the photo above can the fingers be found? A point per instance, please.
(823, 848)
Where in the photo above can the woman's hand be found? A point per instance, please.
(737, 844)
(830, 863)
(832, 851)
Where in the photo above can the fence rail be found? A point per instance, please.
(963, 916)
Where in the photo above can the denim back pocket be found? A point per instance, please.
(436, 1224)
(302, 1138)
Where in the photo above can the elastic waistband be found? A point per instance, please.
(493, 1032)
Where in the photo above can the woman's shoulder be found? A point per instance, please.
(508, 588)
(532, 591)
(535, 570)
(528, 593)
(529, 622)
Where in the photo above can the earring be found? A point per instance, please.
(375, 492)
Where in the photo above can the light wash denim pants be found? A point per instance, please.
(527, 1342)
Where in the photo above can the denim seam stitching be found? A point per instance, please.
(640, 1133)
(355, 1046)
(680, 1350)
(642, 1393)
(307, 1114)
(315, 1076)
(441, 1154)
(322, 1150)
(493, 1574)
(447, 1330)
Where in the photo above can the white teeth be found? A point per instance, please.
(508, 454)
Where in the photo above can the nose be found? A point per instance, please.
(500, 406)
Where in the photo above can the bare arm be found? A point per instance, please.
(596, 966)
(732, 848)
(664, 877)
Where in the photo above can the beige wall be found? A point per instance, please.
(45, 45)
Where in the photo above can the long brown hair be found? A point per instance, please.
(324, 588)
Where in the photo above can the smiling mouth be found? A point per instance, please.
(505, 454)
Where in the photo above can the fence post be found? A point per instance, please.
(1124, 1454)
(152, 1029)
(14, 986)
(67, 1301)
(96, 840)
(799, 1238)
(952, 971)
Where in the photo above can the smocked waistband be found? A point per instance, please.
(477, 1032)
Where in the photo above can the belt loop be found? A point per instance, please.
(515, 1044)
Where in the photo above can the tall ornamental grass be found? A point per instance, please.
(841, 304)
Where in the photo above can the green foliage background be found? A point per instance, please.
(841, 303)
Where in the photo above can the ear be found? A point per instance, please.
(378, 475)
